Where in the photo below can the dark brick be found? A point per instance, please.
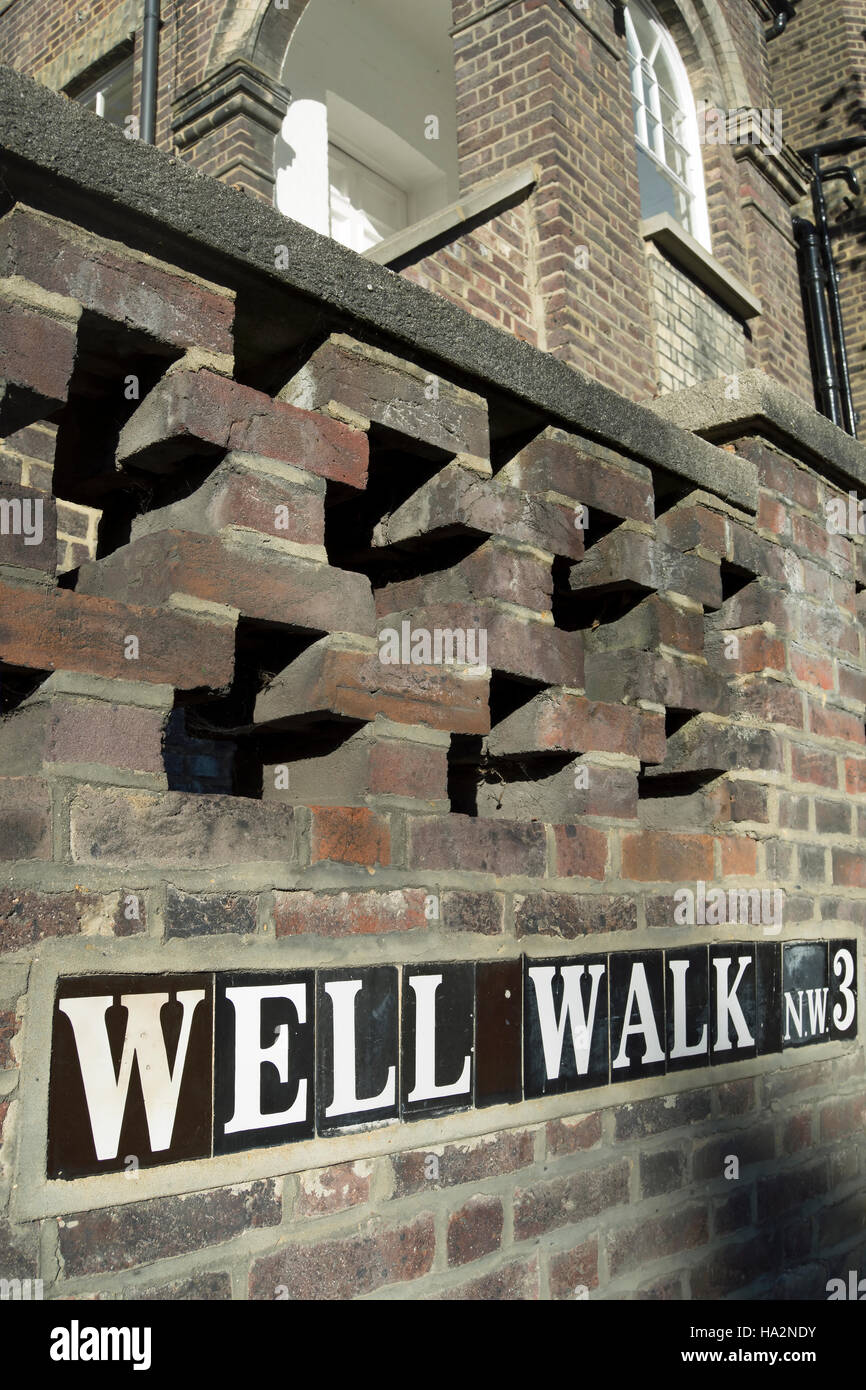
(488, 1157)
(663, 1171)
(645, 1117)
(208, 1288)
(27, 917)
(748, 1146)
(516, 1282)
(574, 1271)
(631, 1247)
(548, 1205)
(25, 818)
(209, 914)
(177, 828)
(571, 915)
(462, 842)
(475, 1230)
(573, 1136)
(473, 912)
(113, 1238)
(347, 1267)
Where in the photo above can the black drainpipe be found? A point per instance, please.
(814, 154)
(821, 342)
(149, 63)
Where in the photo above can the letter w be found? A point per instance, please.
(106, 1093)
(553, 1028)
(817, 1000)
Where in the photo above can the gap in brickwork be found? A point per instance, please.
(734, 578)
(17, 684)
(668, 490)
(215, 745)
(397, 469)
(149, 492)
(115, 368)
(464, 760)
(508, 693)
(576, 611)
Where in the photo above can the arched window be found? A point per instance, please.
(665, 123)
(369, 144)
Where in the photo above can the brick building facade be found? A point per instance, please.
(255, 451)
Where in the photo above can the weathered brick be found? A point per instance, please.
(462, 842)
(571, 915)
(733, 1266)
(56, 729)
(77, 632)
(662, 1171)
(784, 1192)
(581, 852)
(333, 677)
(748, 1146)
(642, 1118)
(574, 1135)
(561, 722)
(189, 412)
(349, 835)
(206, 1287)
(177, 828)
(473, 912)
(574, 1271)
(268, 585)
(343, 1268)
(563, 463)
(393, 393)
(27, 917)
(349, 914)
(843, 1117)
(112, 280)
(25, 819)
(209, 914)
(37, 354)
(475, 1230)
(633, 1246)
(491, 1156)
(516, 1282)
(548, 1205)
(28, 529)
(627, 560)
(654, 855)
(327, 1190)
(113, 1238)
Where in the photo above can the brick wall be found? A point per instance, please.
(537, 82)
(248, 785)
(819, 77)
(696, 339)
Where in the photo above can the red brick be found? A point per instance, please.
(809, 765)
(855, 776)
(547, 1205)
(581, 852)
(739, 857)
(350, 835)
(844, 1116)
(346, 1267)
(475, 1230)
(189, 407)
(797, 1133)
(559, 462)
(575, 1272)
(812, 670)
(573, 1136)
(113, 1238)
(348, 913)
(836, 723)
(76, 632)
(656, 856)
(849, 868)
(559, 722)
(408, 769)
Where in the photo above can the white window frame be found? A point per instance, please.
(685, 135)
(97, 90)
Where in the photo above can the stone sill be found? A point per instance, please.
(671, 238)
(485, 199)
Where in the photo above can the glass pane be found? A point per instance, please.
(365, 207)
(117, 92)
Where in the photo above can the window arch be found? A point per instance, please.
(369, 142)
(670, 166)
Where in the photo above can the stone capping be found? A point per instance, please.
(765, 406)
(687, 253)
(488, 198)
(236, 89)
(785, 170)
(170, 209)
